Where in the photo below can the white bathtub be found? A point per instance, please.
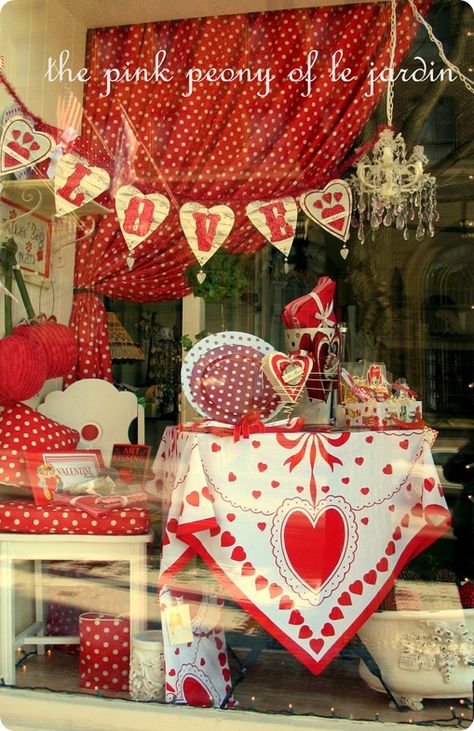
(421, 654)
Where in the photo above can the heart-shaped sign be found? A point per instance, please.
(139, 214)
(21, 146)
(276, 220)
(76, 183)
(330, 208)
(287, 373)
(326, 534)
(205, 229)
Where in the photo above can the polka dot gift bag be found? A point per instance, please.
(104, 648)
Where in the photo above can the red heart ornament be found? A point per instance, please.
(333, 216)
(287, 373)
(326, 535)
(21, 146)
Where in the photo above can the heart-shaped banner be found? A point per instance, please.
(76, 183)
(21, 146)
(287, 373)
(205, 229)
(276, 221)
(139, 214)
(330, 208)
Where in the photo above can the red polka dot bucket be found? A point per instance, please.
(104, 649)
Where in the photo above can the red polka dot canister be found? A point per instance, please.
(104, 650)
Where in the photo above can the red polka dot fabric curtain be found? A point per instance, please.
(159, 114)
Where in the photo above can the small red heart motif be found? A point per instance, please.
(405, 520)
(388, 469)
(238, 554)
(390, 549)
(417, 510)
(172, 672)
(231, 477)
(206, 494)
(397, 534)
(260, 583)
(222, 657)
(261, 526)
(391, 508)
(364, 490)
(286, 602)
(345, 599)
(172, 525)
(356, 587)
(215, 447)
(247, 569)
(325, 488)
(262, 467)
(429, 483)
(409, 487)
(404, 443)
(328, 630)
(305, 632)
(193, 498)
(214, 531)
(176, 652)
(370, 577)
(255, 444)
(365, 521)
(230, 517)
(369, 439)
(275, 483)
(202, 662)
(227, 539)
(299, 488)
(336, 613)
(295, 617)
(382, 565)
(316, 645)
(274, 590)
(219, 643)
(256, 494)
(226, 674)
(345, 480)
(359, 460)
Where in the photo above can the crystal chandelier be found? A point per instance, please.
(387, 187)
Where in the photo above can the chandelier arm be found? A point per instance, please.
(468, 83)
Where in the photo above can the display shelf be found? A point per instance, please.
(25, 193)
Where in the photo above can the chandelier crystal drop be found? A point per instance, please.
(388, 188)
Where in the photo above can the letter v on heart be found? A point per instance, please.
(139, 214)
(330, 208)
(205, 229)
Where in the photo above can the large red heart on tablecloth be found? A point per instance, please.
(287, 373)
(330, 208)
(314, 548)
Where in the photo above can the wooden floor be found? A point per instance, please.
(277, 682)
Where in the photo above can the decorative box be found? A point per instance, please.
(374, 413)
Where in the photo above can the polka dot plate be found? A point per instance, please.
(222, 378)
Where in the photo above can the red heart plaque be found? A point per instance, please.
(330, 208)
(287, 373)
(21, 146)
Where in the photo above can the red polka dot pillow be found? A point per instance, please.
(22, 431)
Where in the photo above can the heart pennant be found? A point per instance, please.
(139, 214)
(287, 373)
(205, 229)
(21, 146)
(330, 208)
(276, 221)
(76, 183)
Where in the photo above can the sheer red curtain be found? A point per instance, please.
(219, 142)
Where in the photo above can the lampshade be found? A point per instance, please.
(121, 344)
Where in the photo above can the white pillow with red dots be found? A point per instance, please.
(24, 431)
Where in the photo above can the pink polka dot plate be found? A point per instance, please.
(222, 378)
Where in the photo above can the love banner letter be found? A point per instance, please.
(139, 214)
(21, 146)
(330, 208)
(205, 229)
(76, 183)
(276, 220)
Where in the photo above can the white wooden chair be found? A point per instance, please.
(100, 412)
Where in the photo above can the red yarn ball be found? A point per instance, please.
(23, 369)
(58, 342)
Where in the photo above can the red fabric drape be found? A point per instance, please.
(223, 143)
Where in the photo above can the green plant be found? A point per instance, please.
(227, 277)
(187, 343)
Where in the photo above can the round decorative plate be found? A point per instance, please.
(222, 378)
